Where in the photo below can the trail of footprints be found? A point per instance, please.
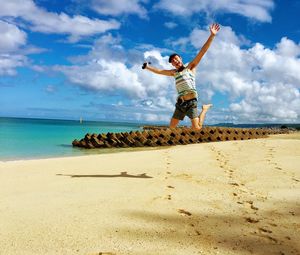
(168, 172)
(170, 187)
(270, 159)
(241, 193)
(181, 211)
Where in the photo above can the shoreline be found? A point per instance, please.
(89, 153)
(101, 151)
(231, 198)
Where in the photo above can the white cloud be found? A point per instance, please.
(170, 25)
(277, 103)
(111, 76)
(255, 9)
(11, 37)
(288, 48)
(267, 81)
(277, 66)
(43, 21)
(135, 110)
(8, 63)
(118, 7)
(106, 76)
(108, 68)
(14, 49)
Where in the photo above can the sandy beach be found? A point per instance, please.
(235, 197)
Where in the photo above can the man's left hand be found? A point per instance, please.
(214, 28)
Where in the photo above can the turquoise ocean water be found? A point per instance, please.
(39, 138)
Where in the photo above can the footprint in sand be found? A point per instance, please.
(247, 202)
(184, 212)
(198, 233)
(251, 220)
(251, 205)
(264, 230)
(270, 238)
(168, 173)
(292, 213)
(272, 224)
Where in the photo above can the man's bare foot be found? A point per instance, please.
(206, 106)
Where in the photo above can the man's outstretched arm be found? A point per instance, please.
(158, 71)
(214, 29)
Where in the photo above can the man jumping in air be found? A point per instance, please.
(185, 84)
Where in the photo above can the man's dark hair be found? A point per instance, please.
(173, 56)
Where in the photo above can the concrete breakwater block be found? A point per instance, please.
(163, 136)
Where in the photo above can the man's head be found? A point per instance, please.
(176, 60)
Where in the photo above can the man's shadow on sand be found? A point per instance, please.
(122, 174)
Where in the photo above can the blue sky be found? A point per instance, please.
(82, 58)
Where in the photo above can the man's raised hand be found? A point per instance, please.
(214, 28)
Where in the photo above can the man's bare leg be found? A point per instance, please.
(174, 123)
(205, 108)
(195, 124)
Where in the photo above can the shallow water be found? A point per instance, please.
(38, 138)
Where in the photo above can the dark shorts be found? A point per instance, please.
(185, 108)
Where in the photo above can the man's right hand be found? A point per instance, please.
(145, 65)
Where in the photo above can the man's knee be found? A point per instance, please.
(196, 128)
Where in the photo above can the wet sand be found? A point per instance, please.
(235, 197)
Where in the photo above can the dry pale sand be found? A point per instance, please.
(236, 197)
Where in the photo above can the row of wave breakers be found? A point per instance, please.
(153, 136)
